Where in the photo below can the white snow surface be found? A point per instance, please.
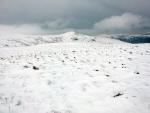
(73, 73)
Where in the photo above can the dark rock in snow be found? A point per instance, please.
(35, 68)
(137, 72)
(75, 39)
(118, 94)
(107, 75)
(18, 103)
(26, 66)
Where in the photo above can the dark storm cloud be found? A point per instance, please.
(80, 15)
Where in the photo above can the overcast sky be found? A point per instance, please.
(87, 16)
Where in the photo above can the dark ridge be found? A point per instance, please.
(135, 39)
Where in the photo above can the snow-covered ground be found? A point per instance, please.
(73, 73)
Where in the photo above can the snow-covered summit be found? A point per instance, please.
(70, 33)
(17, 40)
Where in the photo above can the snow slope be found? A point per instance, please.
(87, 75)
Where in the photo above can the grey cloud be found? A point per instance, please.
(79, 15)
(124, 23)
